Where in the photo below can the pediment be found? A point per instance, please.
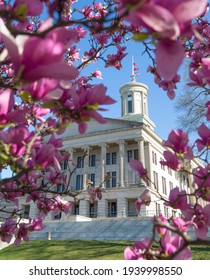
(95, 127)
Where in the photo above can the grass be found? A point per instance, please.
(79, 250)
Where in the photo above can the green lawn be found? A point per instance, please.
(79, 250)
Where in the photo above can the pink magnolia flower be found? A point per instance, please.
(167, 20)
(60, 205)
(138, 250)
(85, 103)
(7, 230)
(204, 133)
(94, 193)
(208, 110)
(36, 224)
(43, 89)
(171, 160)
(202, 180)
(23, 8)
(180, 224)
(34, 58)
(161, 230)
(168, 50)
(17, 139)
(97, 74)
(171, 243)
(205, 70)
(7, 112)
(144, 198)
(22, 233)
(177, 199)
(6, 104)
(178, 142)
(201, 221)
(138, 166)
(9, 192)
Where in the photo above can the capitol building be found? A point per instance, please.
(102, 155)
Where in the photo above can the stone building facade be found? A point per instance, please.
(108, 149)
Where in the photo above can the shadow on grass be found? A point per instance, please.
(79, 250)
(66, 250)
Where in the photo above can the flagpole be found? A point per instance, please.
(133, 78)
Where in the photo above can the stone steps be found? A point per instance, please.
(96, 230)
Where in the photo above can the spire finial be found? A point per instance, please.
(134, 69)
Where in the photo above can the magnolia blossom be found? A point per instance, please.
(35, 58)
(7, 230)
(95, 193)
(202, 180)
(23, 8)
(61, 205)
(177, 199)
(204, 133)
(208, 110)
(161, 230)
(138, 166)
(171, 243)
(144, 198)
(138, 250)
(22, 233)
(178, 142)
(172, 160)
(167, 20)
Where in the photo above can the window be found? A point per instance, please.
(80, 162)
(129, 155)
(158, 212)
(92, 160)
(64, 165)
(114, 179)
(130, 103)
(171, 186)
(108, 180)
(164, 185)
(91, 177)
(111, 181)
(136, 154)
(166, 214)
(114, 158)
(79, 182)
(112, 209)
(130, 106)
(155, 176)
(61, 189)
(111, 158)
(26, 211)
(108, 159)
(161, 165)
(169, 171)
(154, 158)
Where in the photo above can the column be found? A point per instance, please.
(121, 162)
(86, 165)
(70, 170)
(103, 161)
(102, 208)
(84, 208)
(141, 154)
(122, 207)
(148, 160)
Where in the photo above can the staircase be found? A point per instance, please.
(107, 229)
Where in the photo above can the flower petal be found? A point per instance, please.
(169, 56)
